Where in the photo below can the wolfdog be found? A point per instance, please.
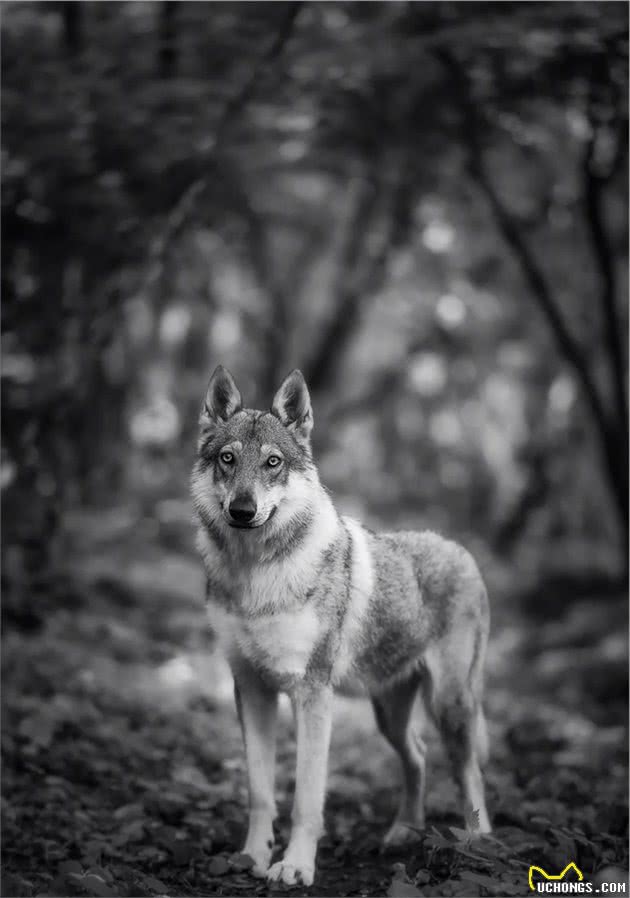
(302, 598)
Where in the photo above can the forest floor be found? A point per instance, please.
(123, 768)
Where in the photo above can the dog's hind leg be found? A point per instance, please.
(453, 695)
(392, 710)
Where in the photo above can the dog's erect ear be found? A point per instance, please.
(292, 405)
(222, 399)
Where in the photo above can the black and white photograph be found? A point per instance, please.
(314, 460)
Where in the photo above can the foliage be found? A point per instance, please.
(379, 194)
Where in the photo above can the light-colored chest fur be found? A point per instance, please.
(277, 627)
(281, 642)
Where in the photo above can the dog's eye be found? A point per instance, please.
(274, 460)
(227, 458)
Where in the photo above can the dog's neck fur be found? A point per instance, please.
(279, 563)
(308, 519)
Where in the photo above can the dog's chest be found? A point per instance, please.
(280, 643)
(271, 619)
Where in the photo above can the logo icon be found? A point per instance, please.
(556, 877)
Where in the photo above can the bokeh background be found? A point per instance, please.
(424, 207)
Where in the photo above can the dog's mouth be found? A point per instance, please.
(237, 525)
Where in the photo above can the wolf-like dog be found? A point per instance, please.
(302, 598)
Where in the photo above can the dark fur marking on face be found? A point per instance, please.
(251, 426)
(254, 422)
(203, 463)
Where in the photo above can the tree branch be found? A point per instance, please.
(167, 39)
(358, 278)
(271, 54)
(347, 301)
(184, 206)
(614, 458)
(508, 228)
(594, 184)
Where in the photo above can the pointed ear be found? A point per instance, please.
(292, 405)
(222, 399)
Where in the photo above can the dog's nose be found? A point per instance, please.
(243, 509)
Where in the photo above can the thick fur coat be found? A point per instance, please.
(304, 600)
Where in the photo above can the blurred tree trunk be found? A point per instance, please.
(534, 496)
(198, 182)
(72, 14)
(362, 267)
(186, 204)
(167, 50)
(595, 183)
(610, 423)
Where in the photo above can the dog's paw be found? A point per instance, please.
(284, 871)
(259, 870)
(261, 858)
(401, 834)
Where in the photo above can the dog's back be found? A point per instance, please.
(427, 591)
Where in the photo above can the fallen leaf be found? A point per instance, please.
(183, 852)
(189, 775)
(241, 862)
(70, 867)
(130, 832)
(127, 811)
(462, 835)
(92, 852)
(38, 729)
(399, 889)
(400, 871)
(486, 881)
(94, 885)
(164, 836)
(156, 884)
(102, 872)
(218, 866)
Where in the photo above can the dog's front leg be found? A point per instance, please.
(257, 711)
(313, 716)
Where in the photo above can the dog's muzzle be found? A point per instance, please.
(242, 510)
(242, 515)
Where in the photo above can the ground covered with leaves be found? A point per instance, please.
(123, 771)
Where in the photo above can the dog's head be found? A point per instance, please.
(253, 468)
